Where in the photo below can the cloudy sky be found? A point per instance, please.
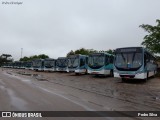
(54, 27)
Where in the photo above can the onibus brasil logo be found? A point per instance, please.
(21, 114)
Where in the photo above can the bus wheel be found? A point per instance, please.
(77, 73)
(123, 80)
(86, 72)
(111, 73)
(154, 74)
(146, 77)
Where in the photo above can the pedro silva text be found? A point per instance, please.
(147, 115)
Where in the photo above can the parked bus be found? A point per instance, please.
(100, 64)
(62, 64)
(49, 64)
(29, 65)
(17, 65)
(134, 63)
(7, 65)
(38, 64)
(22, 65)
(77, 63)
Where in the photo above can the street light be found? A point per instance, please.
(21, 52)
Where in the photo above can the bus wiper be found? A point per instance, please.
(123, 57)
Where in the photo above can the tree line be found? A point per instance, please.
(41, 56)
(4, 58)
(84, 51)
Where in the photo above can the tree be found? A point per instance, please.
(70, 53)
(41, 56)
(81, 51)
(110, 51)
(84, 51)
(152, 40)
(24, 59)
(4, 58)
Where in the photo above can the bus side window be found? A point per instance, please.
(66, 62)
(107, 60)
(151, 60)
(111, 59)
(42, 63)
(146, 59)
(82, 62)
(86, 60)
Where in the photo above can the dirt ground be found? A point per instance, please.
(87, 91)
(136, 92)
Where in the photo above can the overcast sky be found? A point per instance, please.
(54, 27)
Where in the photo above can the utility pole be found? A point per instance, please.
(21, 52)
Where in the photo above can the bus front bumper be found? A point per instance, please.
(99, 72)
(131, 76)
(80, 71)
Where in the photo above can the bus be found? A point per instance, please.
(7, 65)
(62, 64)
(77, 63)
(49, 64)
(134, 63)
(29, 65)
(17, 65)
(100, 64)
(38, 64)
(22, 64)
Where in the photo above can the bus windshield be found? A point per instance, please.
(128, 60)
(49, 63)
(37, 63)
(62, 62)
(29, 64)
(73, 62)
(96, 61)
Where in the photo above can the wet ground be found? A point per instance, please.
(90, 92)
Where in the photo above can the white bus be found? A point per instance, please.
(134, 63)
(49, 64)
(38, 64)
(77, 63)
(62, 64)
(100, 64)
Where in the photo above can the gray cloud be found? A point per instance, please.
(55, 27)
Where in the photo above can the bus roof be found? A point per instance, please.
(62, 58)
(133, 49)
(38, 59)
(76, 55)
(101, 53)
(129, 47)
(48, 59)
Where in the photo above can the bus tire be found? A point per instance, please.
(146, 77)
(111, 73)
(123, 80)
(86, 72)
(154, 74)
(77, 73)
